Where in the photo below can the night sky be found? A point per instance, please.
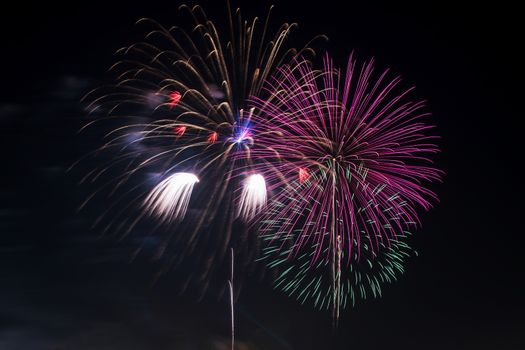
(64, 286)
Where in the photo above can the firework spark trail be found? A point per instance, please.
(181, 103)
(232, 306)
(362, 155)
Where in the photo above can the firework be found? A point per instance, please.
(169, 199)
(253, 198)
(309, 282)
(181, 104)
(308, 279)
(348, 158)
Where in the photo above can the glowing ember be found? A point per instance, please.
(253, 197)
(175, 97)
(179, 130)
(213, 137)
(303, 175)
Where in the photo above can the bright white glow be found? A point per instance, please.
(243, 135)
(169, 199)
(253, 197)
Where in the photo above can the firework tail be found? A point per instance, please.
(336, 256)
(232, 311)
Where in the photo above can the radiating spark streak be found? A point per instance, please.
(253, 197)
(169, 199)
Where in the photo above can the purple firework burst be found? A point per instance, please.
(348, 158)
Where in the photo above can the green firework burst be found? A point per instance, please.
(305, 274)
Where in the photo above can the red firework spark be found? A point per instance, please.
(213, 137)
(303, 175)
(174, 97)
(179, 130)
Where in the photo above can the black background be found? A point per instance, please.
(63, 287)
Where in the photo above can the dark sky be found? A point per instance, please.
(64, 287)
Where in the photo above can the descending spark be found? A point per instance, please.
(169, 199)
(253, 197)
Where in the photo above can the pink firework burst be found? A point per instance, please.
(347, 156)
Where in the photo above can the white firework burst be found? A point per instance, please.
(253, 197)
(169, 199)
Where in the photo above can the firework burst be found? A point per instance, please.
(253, 197)
(181, 104)
(312, 283)
(169, 200)
(348, 157)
